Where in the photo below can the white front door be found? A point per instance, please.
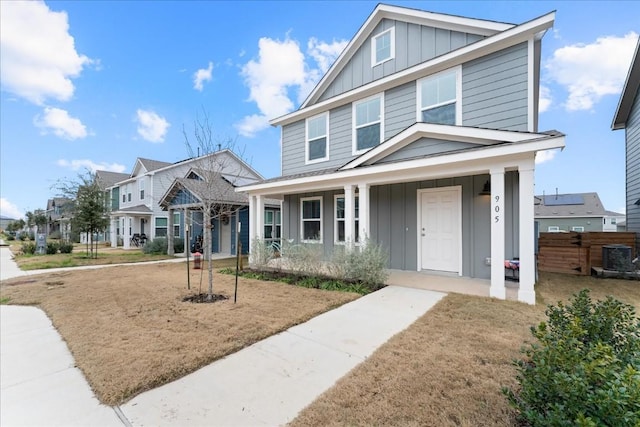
(439, 229)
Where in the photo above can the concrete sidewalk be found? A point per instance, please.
(267, 383)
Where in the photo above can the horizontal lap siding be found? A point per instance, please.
(494, 90)
(632, 135)
(399, 109)
(293, 148)
(414, 44)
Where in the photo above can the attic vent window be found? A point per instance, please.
(383, 47)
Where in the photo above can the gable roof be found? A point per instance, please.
(108, 179)
(570, 205)
(629, 92)
(501, 40)
(420, 17)
(149, 165)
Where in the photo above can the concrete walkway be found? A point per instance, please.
(267, 383)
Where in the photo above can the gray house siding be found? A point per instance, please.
(393, 216)
(399, 109)
(414, 44)
(494, 90)
(565, 224)
(632, 135)
(424, 147)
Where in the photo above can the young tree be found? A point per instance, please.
(216, 187)
(15, 226)
(36, 218)
(89, 212)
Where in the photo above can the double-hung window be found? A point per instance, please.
(141, 188)
(161, 227)
(129, 192)
(340, 220)
(317, 136)
(383, 47)
(272, 225)
(311, 219)
(367, 123)
(176, 224)
(439, 98)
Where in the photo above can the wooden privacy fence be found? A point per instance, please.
(576, 253)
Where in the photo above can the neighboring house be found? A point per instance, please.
(4, 221)
(139, 202)
(574, 212)
(422, 138)
(627, 117)
(59, 214)
(108, 181)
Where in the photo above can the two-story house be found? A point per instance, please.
(150, 202)
(59, 213)
(627, 117)
(557, 213)
(421, 137)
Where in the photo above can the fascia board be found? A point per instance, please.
(500, 41)
(462, 162)
(451, 133)
(629, 92)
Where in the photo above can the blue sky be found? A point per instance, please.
(96, 84)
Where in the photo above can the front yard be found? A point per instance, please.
(129, 331)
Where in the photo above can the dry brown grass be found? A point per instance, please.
(447, 369)
(129, 331)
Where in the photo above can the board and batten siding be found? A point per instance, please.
(494, 90)
(632, 137)
(414, 44)
(394, 222)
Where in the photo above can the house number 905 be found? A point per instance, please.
(497, 209)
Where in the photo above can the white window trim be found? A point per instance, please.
(155, 225)
(302, 200)
(458, 70)
(306, 139)
(553, 229)
(354, 134)
(335, 219)
(392, 41)
(576, 227)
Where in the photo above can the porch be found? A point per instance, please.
(443, 282)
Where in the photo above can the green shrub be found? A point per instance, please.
(156, 246)
(52, 248)
(178, 245)
(65, 247)
(22, 237)
(366, 265)
(584, 369)
(28, 248)
(11, 237)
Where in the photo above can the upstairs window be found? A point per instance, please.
(141, 188)
(129, 192)
(383, 47)
(367, 124)
(317, 146)
(438, 98)
(311, 219)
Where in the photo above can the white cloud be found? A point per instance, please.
(61, 124)
(545, 99)
(90, 165)
(280, 68)
(151, 126)
(38, 53)
(10, 210)
(545, 156)
(201, 76)
(591, 71)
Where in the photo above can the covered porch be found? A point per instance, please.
(130, 227)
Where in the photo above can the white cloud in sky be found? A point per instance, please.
(546, 156)
(39, 58)
(281, 67)
(201, 76)
(61, 124)
(10, 210)
(90, 165)
(591, 71)
(151, 126)
(545, 99)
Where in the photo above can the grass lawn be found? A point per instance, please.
(129, 330)
(447, 369)
(78, 257)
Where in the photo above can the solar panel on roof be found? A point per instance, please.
(563, 199)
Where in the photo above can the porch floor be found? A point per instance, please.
(444, 282)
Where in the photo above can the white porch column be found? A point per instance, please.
(526, 292)
(113, 235)
(260, 217)
(170, 247)
(497, 289)
(349, 216)
(364, 218)
(252, 221)
(126, 232)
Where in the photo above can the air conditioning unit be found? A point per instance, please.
(616, 257)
